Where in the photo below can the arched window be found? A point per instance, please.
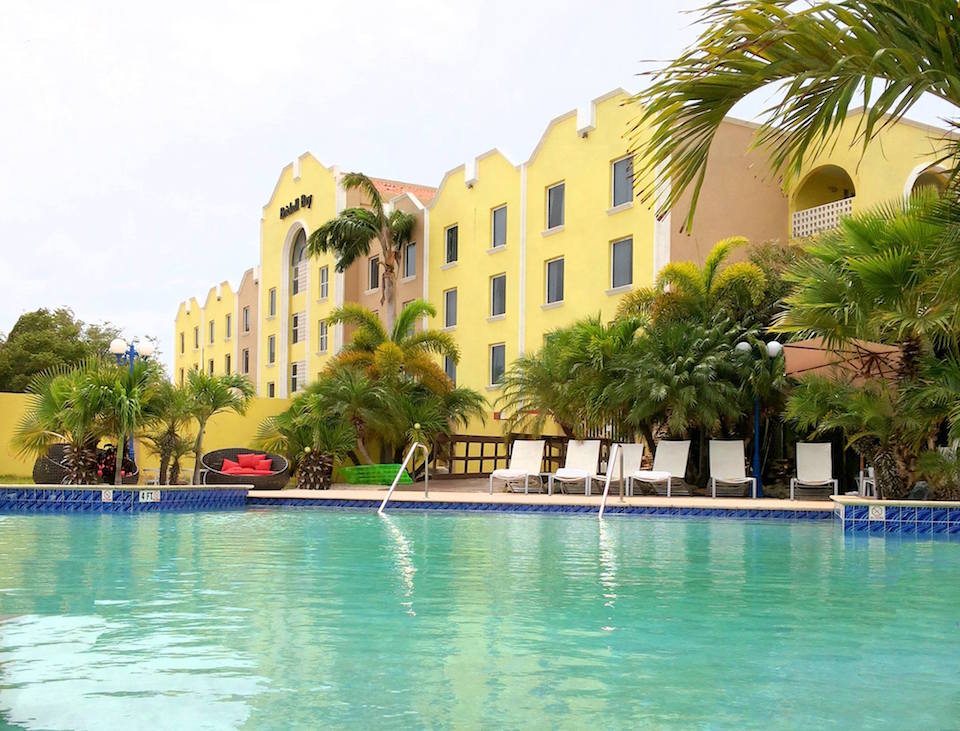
(297, 261)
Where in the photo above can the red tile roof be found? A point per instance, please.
(391, 188)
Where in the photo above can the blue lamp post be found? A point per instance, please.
(772, 350)
(128, 353)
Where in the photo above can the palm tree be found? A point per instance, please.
(351, 395)
(349, 235)
(684, 290)
(125, 397)
(211, 395)
(392, 353)
(173, 412)
(822, 54)
(311, 438)
(57, 413)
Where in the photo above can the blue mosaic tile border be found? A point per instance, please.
(901, 520)
(104, 500)
(633, 510)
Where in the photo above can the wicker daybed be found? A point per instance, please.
(212, 463)
(49, 469)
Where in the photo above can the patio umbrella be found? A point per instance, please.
(854, 362)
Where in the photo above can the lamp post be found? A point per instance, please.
(772, 349)
(128, 352)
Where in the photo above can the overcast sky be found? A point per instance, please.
(138, 143)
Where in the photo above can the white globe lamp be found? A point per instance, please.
(118, 346)
(146, 349)
(774, 348)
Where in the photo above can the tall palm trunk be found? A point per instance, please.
(388, 291)
(118, 467)
(197, 447)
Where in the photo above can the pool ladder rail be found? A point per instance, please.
(396, 480)
(615, 459)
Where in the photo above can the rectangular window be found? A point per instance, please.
(453, 238)
(246, 319)
(324, 282)
(621, 263)
(227, 364)
(196, 337)
(498, 227)
(211, 332)
(450, 308)
(322, 336)
(210, 366)
(272, 349)
(450, 368)
(272, 305)
(271, 391)
(555, 205)
(623, 181)
(293, 378)
(228, 326)
(373, 272)
(498, 295)
(296, 279)
(555, 280)
(181, 376)
(295, 335)
(245, 360)
(410, 259)
(182, 344)
(497, 363)
(413, 325)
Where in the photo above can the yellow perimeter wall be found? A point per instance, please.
(224, 430)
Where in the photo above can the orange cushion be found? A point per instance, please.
(229, 464)
(265, 464)
(250, 459)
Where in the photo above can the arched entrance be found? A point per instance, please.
(824, 196)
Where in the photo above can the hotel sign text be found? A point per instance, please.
(295, 205)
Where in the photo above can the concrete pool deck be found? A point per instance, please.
(476, 492)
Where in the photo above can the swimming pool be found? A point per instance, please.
(273, 618)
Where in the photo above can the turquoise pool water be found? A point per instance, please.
(273, 619)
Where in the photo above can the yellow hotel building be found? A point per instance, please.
(508, 251)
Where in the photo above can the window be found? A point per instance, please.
(227, 364)
(450, 308)
(297, 257)
(181, 376)
(413, 325)
(196, 337)
(498, 227)
(621, 263)
(498, 295)
(211, 332)
(182, 344)
(453, 237)
(555, 205)
(623, 181)
(322, 337)
(450, 368)
(497, 363)
(293, 378)
(272, 349)
(410, 259)
(555, 280)
(373, 273)
(210, 366)
(272, 304)
(271, 391)
(295, 335)
(246, 319)
(245, 360)
(228, 326)
(324, 282)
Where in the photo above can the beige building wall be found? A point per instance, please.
(248, 314)
(740, 197)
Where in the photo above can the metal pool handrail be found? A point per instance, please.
(406, 460)
(615, 454)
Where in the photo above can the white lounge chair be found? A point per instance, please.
(632, 456)
(669, 464)
(814, 467)
(727, 465)
(867, 482)
(579, 466)
(525, 461)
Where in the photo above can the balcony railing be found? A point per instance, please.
(812, 221)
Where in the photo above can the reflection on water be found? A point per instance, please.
(290, 618)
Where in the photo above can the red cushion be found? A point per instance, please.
(233, 470)
(250, 459)
(265, 464)
(229, 464)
